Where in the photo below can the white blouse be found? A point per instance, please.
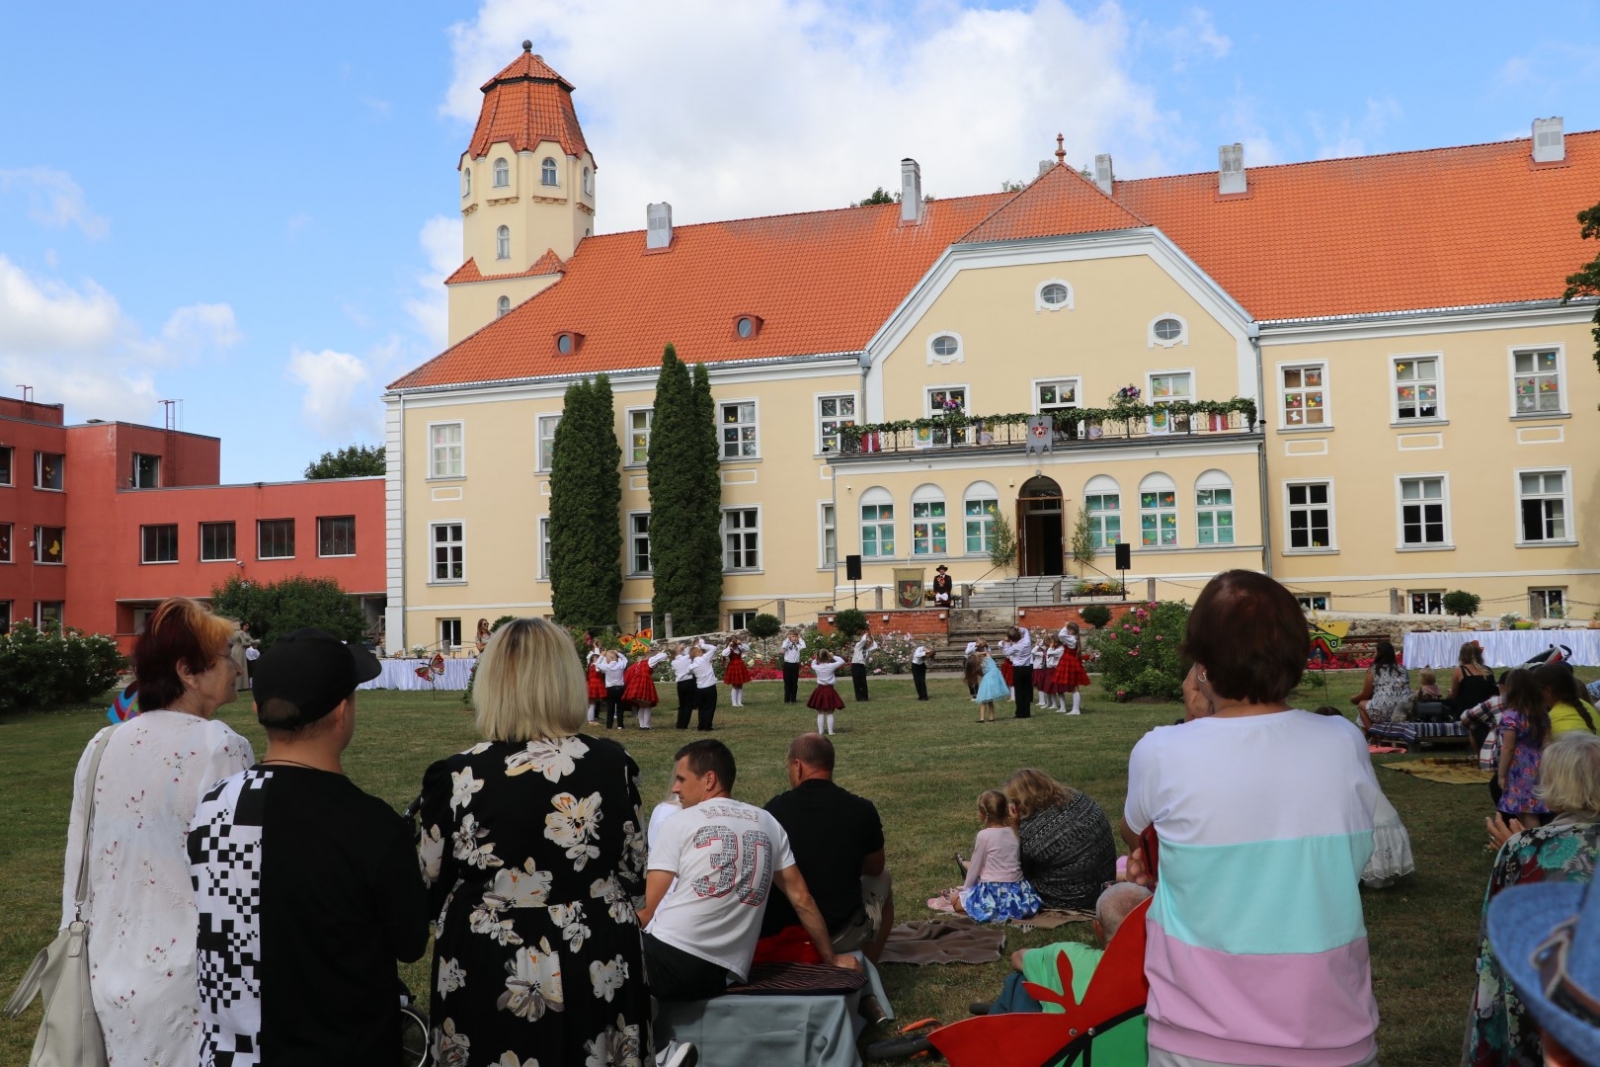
(826, 673)
(611, 670)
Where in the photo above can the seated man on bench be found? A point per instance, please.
(725, 856)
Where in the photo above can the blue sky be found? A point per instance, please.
(249, 207)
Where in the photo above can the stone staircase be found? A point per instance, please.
(1045, 589)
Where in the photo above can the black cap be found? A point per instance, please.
(305, 674)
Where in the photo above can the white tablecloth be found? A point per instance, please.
(402, 674)
(1501, 648)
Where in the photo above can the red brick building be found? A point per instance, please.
(100, 521)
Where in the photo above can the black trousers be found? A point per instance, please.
(674, 974)
(688, 700)
(1022, 686)
(707, 705)
(614, 706)
(858, 677)
(919, 678)
(791, 682)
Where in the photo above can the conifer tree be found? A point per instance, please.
(708, 466)
(673, 495)
(585, 503)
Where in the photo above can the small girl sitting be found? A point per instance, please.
(995, 890)
(1428, 689)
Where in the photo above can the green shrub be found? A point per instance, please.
(42, 668)
(276, 608)
(1139, 657)
(1096, 615)
(765, 626)
(1460, 603)
(850, 621)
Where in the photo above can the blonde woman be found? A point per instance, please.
(533, 849)
(1064, 839)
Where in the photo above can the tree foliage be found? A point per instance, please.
(765, 625)
(43, 667)
(1586, 282)
(850, 622)
(1096, 615)
(585, 505)
(709, 535)
(1083, 541)
(880, 195)
(1460, 603)
(685, 500)
(1140, 657)
(1003, 551)
(276, 608)
(357, 461)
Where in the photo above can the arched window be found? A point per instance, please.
(1103, 501)
(979, 505)
(1213, 508)
(877, 524)
(928, 529)
(502, 173)
(502, 306)
(1158, 511)
(547, 172)
(502, 243)
(466, 182)
(588, 182)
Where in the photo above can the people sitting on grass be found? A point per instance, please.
(1499, 1029)
(1471, 683)
(994, 889)
(1391, 857)
(1385, 695)
(1063, 838)
(703, 934)
(1563, 697)
(1122, 1045)
(837, 841)
(1428, 688)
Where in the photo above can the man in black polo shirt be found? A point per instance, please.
(837, 841)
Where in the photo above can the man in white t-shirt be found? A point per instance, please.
(726, 857)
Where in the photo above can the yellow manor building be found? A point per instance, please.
(1424, 405)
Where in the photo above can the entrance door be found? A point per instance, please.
(1040, 547)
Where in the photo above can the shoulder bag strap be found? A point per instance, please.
(83, 893)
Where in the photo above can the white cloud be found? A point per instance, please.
(1354, 137)
(200, 330)
(788, 105)
(429, 306)
(50, 318)
(340, 401)
(54, 199)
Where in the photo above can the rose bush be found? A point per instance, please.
(1139, 656)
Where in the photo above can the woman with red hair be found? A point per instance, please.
(153, 771)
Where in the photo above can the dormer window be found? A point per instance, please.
(747, 326)
(588, 182)
(502, 306)
(502, 174)
(466, 182)
(502, 243)
(568, 342)
(547, 172)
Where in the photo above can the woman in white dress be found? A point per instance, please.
(156, 766)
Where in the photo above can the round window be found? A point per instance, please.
(1169, 329)
(1054, 294)
(564, 343)
(945, 345)
(747, 326)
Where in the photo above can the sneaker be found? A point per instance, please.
(1074, 713)
(677, 1054)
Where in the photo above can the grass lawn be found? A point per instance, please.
(922, 764)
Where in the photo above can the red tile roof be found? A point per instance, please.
(821, 282)
(1060, 201)
(524, 104)
(549, 263)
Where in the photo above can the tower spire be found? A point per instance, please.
(1061, 151)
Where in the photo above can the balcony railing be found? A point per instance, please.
(1067, 431)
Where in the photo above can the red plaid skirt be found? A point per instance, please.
(597, 684)
(640, 689)
(737, 673)
(1070, 671)
(1005, 671)
(1044, 681)
(825, 698)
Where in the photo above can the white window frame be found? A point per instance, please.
(460, 544)
(502, 307)
(144, 545)
(958, 356)
(977, 493)
(742, 530)
(588, 182)
(544, 548)
(1097, 518)
(628, 432)
(501, 174)
(927, 496)
(549, 173)
(644, 620)
(1562, 383)
(466, 182)
(38, 546)
(1072, 380)
(944, 437)
(293, 533)
(38, 471)
(502, 242)
(133, 478)
(827, 523)
(1283, 391)
(1332, 547)
(336, 555)
(541, 462)
(60, 607)
(742, 618)
(1039, 302)
(1308, 601)
(1152, 341)
(633, 547)
(434, 472)
(755, 422)
(1174, 423)
(8, 541)
(449, 640)
(200, 534)
(1439, 416)
(1541, 595)
(1432, 601)
(1158, 483)
(838, 421)
(876, 497)
(1400, 503)
(1568, 517)
(11, 466)
(1211, 481)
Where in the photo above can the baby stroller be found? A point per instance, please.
(416, 1036)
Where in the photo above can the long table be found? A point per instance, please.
(402, 674)
(1501, 648)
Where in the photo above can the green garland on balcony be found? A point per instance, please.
(1116, 413)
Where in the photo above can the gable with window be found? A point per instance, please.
(158, 544)
(1542, 497)
(739, 430)
(639, 542)
(1102, 499)
(1158, 512)
(1424, 512)
(1536, 381)
(877, 523)
(336, 535)
(1213, 508)
(545, 430)
(928, 529)
(834, 413)
(275, 539)
(741, 539)
(1418, 394)
(979, 505)
(639, 422)
(447, 450)
(1305, 399)
(1310, 515)
(448, 542)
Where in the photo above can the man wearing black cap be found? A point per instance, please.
(308, 889)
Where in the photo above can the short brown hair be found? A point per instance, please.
(813, 750)
(1250, 636)
(709, 754)
(1031, 791)
(181, 631)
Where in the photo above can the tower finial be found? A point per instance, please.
(527, 46)
(1061, 152)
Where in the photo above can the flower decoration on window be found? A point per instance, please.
(1128, 394)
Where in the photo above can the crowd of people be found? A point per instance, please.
(558, 911)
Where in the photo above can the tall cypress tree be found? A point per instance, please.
(708, 471)
(673, 496)
(585, 502)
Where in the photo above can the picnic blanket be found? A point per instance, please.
(1460, 770)
(957, 940)
(1049, 920)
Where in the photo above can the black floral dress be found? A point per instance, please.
(534, 856)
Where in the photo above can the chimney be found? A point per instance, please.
(1102, 173)
(1230, 159)
(910, 191)
(1549, 140)
(659, 220)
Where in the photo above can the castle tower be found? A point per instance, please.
(527, 193)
